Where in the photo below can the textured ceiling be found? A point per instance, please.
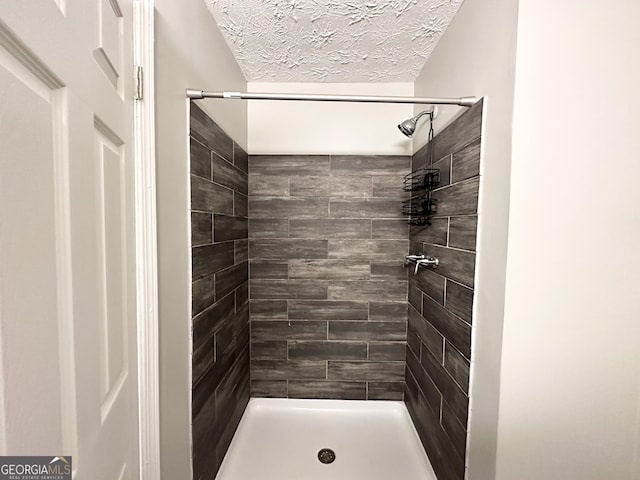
(332, 40)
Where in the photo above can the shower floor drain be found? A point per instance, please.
(326, 455)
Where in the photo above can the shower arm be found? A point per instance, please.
(200, 94)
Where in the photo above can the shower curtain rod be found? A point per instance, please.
(199, 94)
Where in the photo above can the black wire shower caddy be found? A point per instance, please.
(422, 206)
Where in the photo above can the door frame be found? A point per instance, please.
(148, 357)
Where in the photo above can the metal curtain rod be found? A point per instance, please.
(462, 101)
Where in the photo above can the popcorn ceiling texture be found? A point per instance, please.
(332, 40)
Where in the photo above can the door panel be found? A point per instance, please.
(68, 379)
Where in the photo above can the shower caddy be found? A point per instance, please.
(422, 206)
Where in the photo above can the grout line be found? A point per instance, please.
(444, 293)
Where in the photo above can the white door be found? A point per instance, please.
(68, 379)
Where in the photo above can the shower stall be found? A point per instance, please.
(300, 291)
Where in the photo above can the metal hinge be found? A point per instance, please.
(138, 93)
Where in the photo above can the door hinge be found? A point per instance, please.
(138, 93)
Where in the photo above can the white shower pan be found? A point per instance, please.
(279, 439)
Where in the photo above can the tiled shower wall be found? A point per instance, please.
(220, 305)
(440, 300)
(328, 290)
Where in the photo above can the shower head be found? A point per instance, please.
(409, 126)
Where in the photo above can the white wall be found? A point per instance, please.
(571, 358)
(190, 52)
(476, 56)
(328, 127)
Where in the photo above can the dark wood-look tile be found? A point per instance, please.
(388, 271)
(269, 388)
(263, 269)
(444, 166)
(451, 392)
(268, 309)
(436, 233)
(287, 165)
(415, 296)
(287, 289)
(268, 228)
(369, 290)
(205, 130)
(240, 251)
(201, 229)
(242, 295)
(443, 456)
(366, 371)
(232, 420)
(366, 208)
(395, 229)
(320, 389)
(227, 391)
(416, 248)
(288, 249)
(288, 370)
(227, 337)
(424, 382)
(207, 196)
(360, 165)
(231, 278)
(457, 265)
(459, 300)
(387, 311)
(450, 326)
(288, 207)
(454, 430)
(413, 341)
(457, 366)
(227, 228)
(209, 259)
(329, 269)
(430, 283)
(200, 159)
(269, 349)
(212, 319)
(330, 228)
(203, 294)
(269, 185)
(357, 330)
(387, 351)
(466, 162)
(240, 158)
(326, 350)
(428, 335)
(240, 205)
(327, 310)
(368, 250)
(225, 173)
(293, 330)
(202, 360)
(385, 391)
(462, 232)
(333, 186)
(459, 132)
(458, 199)
(390, 187)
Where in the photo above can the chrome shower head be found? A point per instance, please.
(408, 127)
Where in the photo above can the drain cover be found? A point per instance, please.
(326, 455)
